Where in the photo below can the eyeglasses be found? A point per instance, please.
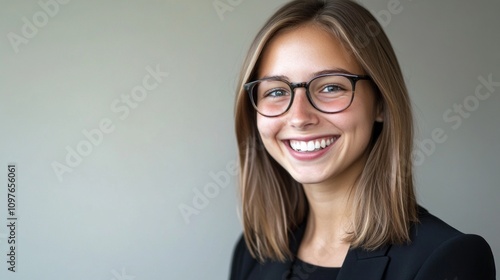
(328, 93)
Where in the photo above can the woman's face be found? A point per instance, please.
(298, 54)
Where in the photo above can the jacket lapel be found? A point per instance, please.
(361, 264)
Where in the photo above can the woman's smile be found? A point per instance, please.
(314, 145)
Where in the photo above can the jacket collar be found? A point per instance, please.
(358, 264)
(362, 264)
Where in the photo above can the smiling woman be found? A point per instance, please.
(331, 195)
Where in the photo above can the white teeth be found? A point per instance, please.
(310, 146)
(313, 145)
(303, 146)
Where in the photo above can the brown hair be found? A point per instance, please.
(384, 205)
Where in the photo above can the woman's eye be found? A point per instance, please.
(276, 93)
(332, 88)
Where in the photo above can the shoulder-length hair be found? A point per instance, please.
(383, 201)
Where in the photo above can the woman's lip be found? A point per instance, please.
(310, 138)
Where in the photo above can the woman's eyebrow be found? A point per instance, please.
(322, 72)
(280, 77)
(332, 71)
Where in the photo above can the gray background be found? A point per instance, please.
(116, 215)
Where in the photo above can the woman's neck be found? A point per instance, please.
(329, 212)
(329, 219)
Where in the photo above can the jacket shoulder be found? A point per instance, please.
(439, 251)
(465, 256)
(431, 229)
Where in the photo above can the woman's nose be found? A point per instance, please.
(301, 114)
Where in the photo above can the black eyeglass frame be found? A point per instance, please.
(352, 77)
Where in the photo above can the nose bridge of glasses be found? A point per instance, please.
(298, 85)
(300, 100)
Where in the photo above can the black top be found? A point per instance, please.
(303, 270)
(436, 252)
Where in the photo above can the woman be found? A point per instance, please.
(324, 127)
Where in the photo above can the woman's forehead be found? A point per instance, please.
(300, 52)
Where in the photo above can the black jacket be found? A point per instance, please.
(437, 251)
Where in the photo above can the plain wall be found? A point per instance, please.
(116, 212)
